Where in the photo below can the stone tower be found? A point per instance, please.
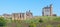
(47, 11)
(29, 14)
(50, 9)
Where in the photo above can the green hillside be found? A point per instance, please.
(38, 21)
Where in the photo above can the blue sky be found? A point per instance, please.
(18, 6)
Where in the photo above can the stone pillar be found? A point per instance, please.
(51, 10)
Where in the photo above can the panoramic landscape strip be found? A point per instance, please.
(27, 19)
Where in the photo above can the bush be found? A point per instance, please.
(58, 25)
(2, 21)
(49, 25)
(41, 20)
(57, 19)
(32, 24)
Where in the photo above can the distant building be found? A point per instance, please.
(47, 11)
(22, 16)
(18, 16)
(1, 16)
(29, 14)
(54, 15)
(7, 16)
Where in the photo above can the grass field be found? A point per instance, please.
(46, 21)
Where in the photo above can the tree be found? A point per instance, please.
(2, 21)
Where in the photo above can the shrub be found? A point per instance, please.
(2, 21)
(58, 25)
(49, 25)
(32, 24)
(41, 20)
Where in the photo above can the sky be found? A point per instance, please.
(21, 6)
